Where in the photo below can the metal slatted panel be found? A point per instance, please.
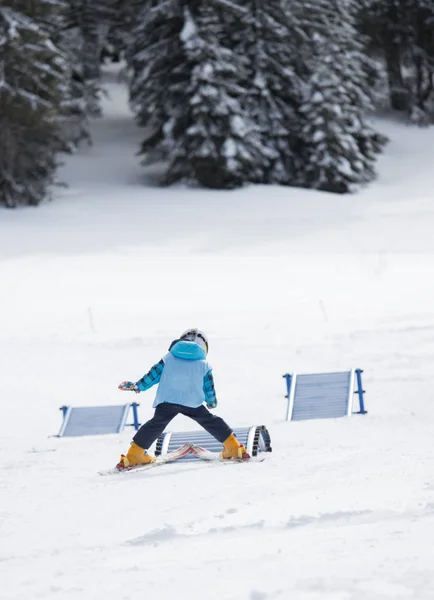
(321, 396)
(94, 420)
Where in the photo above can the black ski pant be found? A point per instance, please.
(165, 412)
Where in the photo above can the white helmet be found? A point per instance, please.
(196, 335)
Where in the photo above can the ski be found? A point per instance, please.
(160, 460)
(206, 455)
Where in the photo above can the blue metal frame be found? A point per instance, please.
(360, 391)
(135, 423)
(66, 411)
(288, 377)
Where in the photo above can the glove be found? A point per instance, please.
(129, 386)
(212, 404)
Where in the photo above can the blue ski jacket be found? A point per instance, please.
(184, 377)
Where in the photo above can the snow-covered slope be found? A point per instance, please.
(93, 288)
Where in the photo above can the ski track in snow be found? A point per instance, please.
(96, 284)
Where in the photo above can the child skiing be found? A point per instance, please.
(185, 382)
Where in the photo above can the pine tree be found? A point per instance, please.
(337, 146)
(119, 35)
(422, 55)
(217, 143)
(160, 73)
(33, 98)
(82, 38)
(383, 22)
(268, 36)
(402, 33)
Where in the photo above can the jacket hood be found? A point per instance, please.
(188, 350)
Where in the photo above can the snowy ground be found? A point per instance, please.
(95, 285)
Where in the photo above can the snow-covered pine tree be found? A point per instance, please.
(422, 57)
(82, 38)
(402, 33)
(160, 73)
(33, 95)
(121, 23)
(337, 146)
(268, 36)
(217, 143)
(382, 24)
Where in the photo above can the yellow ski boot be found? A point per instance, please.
(135, 456)
(233, 449)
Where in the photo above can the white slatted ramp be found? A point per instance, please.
(323, 395)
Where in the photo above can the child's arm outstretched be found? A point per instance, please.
(151, 378)
(209, 390)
